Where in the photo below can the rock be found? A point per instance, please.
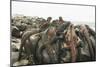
(22, 62)
(21, 27)
(14, 48)
(14, 40)
(14, 57)
(15, 32)
(15, 45)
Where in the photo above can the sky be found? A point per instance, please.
(68, 12)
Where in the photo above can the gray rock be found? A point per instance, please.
(15, 31)
(14, 57)
(21, 27)
(22, 62)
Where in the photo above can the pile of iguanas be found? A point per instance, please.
(63, 42)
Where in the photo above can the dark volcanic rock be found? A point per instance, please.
(15, 31)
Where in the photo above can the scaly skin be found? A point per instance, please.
(72, 42)
(23, 41)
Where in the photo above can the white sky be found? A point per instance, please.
(68, 12)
